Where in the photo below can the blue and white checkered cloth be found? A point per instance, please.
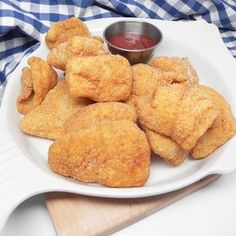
(22, 21)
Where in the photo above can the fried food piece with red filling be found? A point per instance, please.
(115, 154)
(98, 112)
(223, 128)
(36, 81)
(47, 120)
(166, 148)
(77, 46)
(104, 78)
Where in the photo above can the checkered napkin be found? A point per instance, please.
(22, 21)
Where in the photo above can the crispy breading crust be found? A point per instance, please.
(62, 31)
(77, 46)
(105, 78)
(36, 81)
(26, 85)
(115, 154)
(100, 39)
(132, 100)
(159, 113)
(166, 148)
(99, 112)
(180, 67)
(196, 113)
(47, 119)
(146, 79)
(223, 128)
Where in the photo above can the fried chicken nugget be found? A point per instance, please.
(132, 100)
(166, 148)
(196, 113)
(104, 78)
(159, 113)
(36, 81)
(64, 30)
(115, 154)
(223, 128)
(146, 79)
(99, 112)
(180, 68)
(77, 46)
(100, 39)
(47, 119)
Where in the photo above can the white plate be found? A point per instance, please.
(23, 161)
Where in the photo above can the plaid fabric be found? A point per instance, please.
(22, 21)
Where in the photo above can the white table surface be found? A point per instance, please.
(210, 211)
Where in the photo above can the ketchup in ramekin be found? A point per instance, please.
(135, 40)
(132, 41)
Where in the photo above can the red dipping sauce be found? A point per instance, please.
(132, 41)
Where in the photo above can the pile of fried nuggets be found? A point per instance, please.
(106, 115)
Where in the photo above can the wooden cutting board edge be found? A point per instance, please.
(77, 215)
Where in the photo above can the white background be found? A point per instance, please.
(210, 211)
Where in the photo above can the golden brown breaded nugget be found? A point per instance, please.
(166, 148)
(99, 112)
(105, 78)
(223, 128)
(115, 154)
(36, 81)
(146, 79)
(159, 113)
(132, 100)
(77, 46)
(180, 67)
(64, 30)
(196, 113)
(47, 119)
(26, 84)
(100, 39)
